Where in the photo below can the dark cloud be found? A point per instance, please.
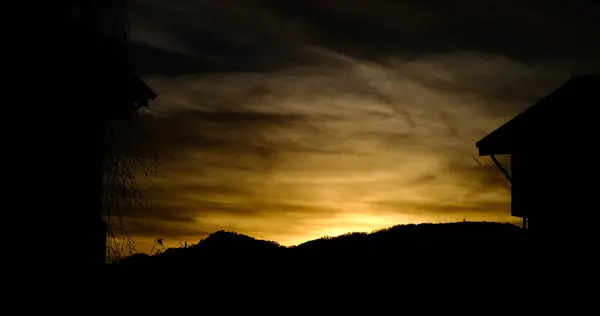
(174, 212)
(222, 35)
(519, 29)
(152, 229)
(148, 59)
(224, 130)
(266, 35)
(244, 118)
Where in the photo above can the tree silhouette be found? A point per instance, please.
(129, 158)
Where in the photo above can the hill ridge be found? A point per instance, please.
(434, 238)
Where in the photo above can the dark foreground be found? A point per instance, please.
(497, 265)
(433, 248)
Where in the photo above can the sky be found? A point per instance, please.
(293, 120)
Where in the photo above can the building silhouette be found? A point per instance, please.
(552, 165)
(95, 68)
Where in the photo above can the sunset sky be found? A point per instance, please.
(291, 120)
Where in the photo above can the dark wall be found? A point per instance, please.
(555, 170)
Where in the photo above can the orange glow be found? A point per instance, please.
(354, 148)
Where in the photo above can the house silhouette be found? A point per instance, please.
(103, 87)
(550, 144)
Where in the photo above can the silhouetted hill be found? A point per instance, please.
(461, 231)
(413, 246)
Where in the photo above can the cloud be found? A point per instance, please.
(267, 35)
(281, 155)
(151, 229)
(302, 119)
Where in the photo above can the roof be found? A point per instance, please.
(140, 93)
(548, 111)
(125, 94)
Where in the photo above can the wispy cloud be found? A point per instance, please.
(278, 154)
(315, 134)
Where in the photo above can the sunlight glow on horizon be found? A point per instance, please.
(295, 155)
(333, 227)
